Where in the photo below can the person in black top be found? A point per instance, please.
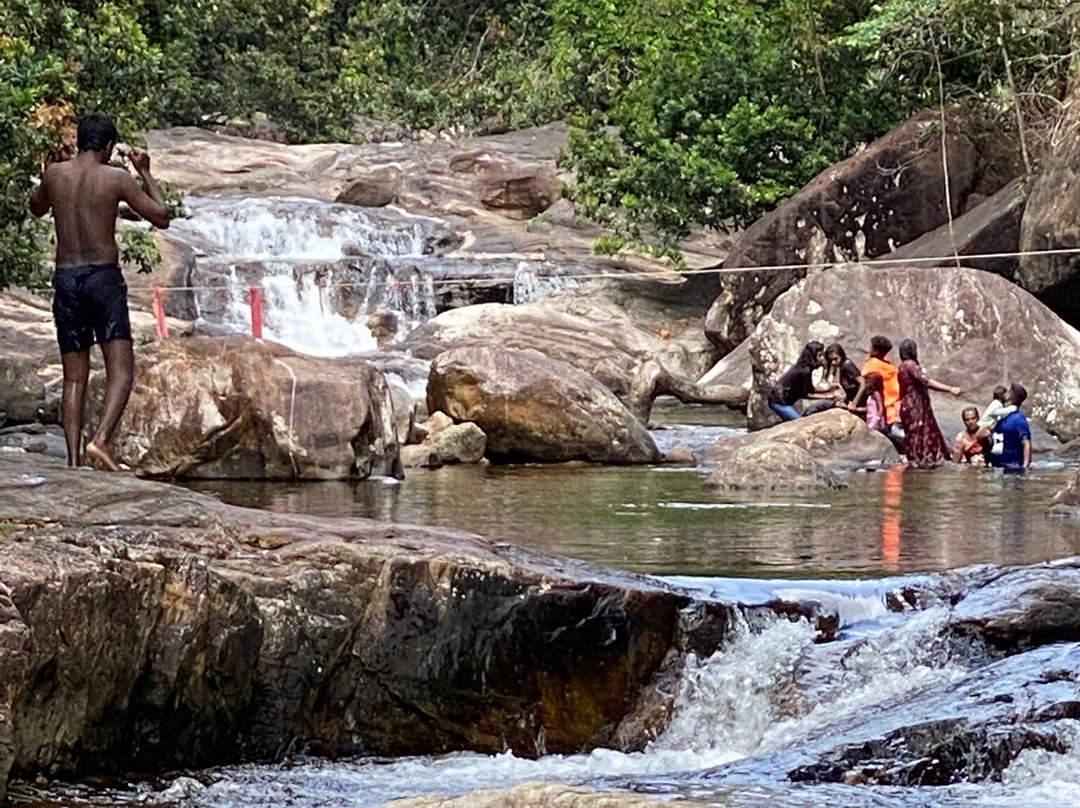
(839, 374)
(798, 382)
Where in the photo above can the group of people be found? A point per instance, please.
(895, 400)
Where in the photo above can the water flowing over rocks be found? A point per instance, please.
(535, 408)
(890, 193)
(154, 627)
(835, 439)
(536, 795)
(974, 330)
(967, 731)
(232, 407)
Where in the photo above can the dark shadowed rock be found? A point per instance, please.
(166, 628)
(991, 228)
(15, 639)
(1022, 608)
(771, 467)
(1052, 221)
(974, 330)
(835, 438)
(890, 193)
(535, 408)
(232, 407)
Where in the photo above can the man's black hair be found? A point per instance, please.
(1017, 394)
(96, 131)
(881, 344)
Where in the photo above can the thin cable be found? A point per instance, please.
(718, 270)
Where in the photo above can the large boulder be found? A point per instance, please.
(606, 329)
(1052, 221)
(156, 627)
(535, 408)
(238, 408)
(986, 237)
(834, 438)
(974, 329)
(890, 193)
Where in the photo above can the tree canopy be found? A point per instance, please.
(685, 112)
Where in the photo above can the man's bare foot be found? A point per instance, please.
(102, 456)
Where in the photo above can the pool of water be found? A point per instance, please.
(662, 520)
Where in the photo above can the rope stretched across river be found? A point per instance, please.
(718, 270)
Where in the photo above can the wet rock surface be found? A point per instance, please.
(958, 317)
(535, 795)
(164, 629)
(219, 407)
(535, 408)
(967, 731)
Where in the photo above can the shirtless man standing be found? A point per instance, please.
(90, 298)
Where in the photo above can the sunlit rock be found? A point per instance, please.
(771, 467)
(535, 408)
(835, 438)
(238, 408)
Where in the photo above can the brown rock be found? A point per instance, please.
(167, 628)
(890, 193)
(532, 407)
(373, 190)
(14, 649)
(518, 192)
(234, 407)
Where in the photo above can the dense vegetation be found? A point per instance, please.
(685, 111)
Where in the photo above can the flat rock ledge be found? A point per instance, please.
(147, 627)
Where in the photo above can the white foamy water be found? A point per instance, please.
(253, 229)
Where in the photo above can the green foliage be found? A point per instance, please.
(687, 112)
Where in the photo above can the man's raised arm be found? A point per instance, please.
(149, 204)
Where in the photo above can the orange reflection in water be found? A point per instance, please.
(890, 518)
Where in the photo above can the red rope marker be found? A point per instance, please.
(158, 308)
(256, 312)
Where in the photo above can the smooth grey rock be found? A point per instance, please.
(974, 330)
(835, 438)
(771, 467)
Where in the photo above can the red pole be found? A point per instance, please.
(256, 312)
(159, 315)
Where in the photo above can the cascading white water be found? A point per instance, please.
(529, 285)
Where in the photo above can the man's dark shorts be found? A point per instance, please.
(89, 305)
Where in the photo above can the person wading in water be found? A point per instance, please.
(90, 296)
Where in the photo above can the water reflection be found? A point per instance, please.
(662, 521)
